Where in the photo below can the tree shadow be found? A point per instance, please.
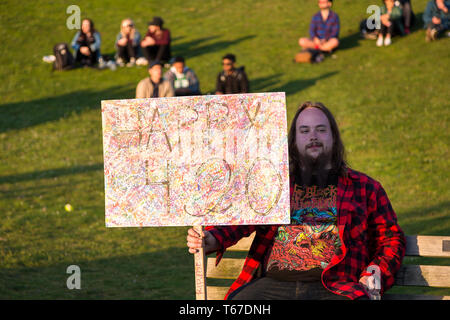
(262, 83)
(429, 220)
(50, 173)
(189, 45)
(162, 274)
(350, 41)
(195, 48)
(295, 86)
(42, 189)
(20, 115)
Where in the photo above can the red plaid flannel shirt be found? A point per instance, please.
(368, 231)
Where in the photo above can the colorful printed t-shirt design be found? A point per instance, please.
(306, 246)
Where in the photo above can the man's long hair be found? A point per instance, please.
(338, 163)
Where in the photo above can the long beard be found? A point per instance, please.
(315, 167)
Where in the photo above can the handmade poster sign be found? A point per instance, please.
(203, 160)
(195, 161)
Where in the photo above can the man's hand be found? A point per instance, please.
(441, 5)
(148, 41)
(85, 51)
(122, 42)
(371, 281)
(196, 241)
(436, 20)
(317, 41)
(385, 20)
(369, 284)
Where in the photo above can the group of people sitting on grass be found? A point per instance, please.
(153, 50)
(130, 48)
(180, 80)
(154, 46)
(396, 17)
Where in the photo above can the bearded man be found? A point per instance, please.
(342, 226)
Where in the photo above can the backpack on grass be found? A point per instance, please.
(64, 58)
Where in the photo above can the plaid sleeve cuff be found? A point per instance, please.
(220, 238)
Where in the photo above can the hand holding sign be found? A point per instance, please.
(196, 241)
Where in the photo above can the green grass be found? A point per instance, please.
(392, 105)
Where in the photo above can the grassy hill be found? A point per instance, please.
(392, 105)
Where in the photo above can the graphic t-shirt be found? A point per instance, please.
(180, 79)
(304, 248)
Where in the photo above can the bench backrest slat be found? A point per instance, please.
(428, 246)
(423, 276)
(243, 244)
(226, 269)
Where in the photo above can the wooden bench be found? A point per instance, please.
(219, 279)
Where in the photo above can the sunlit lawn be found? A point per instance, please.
(392, 105)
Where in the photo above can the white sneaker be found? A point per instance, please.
(387, 41)
(49, 59)
(120, 62)
(380, 42)
(111, 65)
(101, 63)
(132, 62)
(141, 61)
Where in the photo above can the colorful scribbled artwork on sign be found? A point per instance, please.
(203, 160)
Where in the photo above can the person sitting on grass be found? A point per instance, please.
(323, 30)
(436, 18)
(231, 80)
(183, 79)
(86, 44)
(391, 20)
(156, 43)
(154, 86)
(127, 44)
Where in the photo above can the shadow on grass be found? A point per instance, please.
(262, 83)
(430, 220)
(417, 24)
(349, 42)
(50, 173)
(163, 274)
(195, 47)
(20, 115)
(183, 47)
(296, 86)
